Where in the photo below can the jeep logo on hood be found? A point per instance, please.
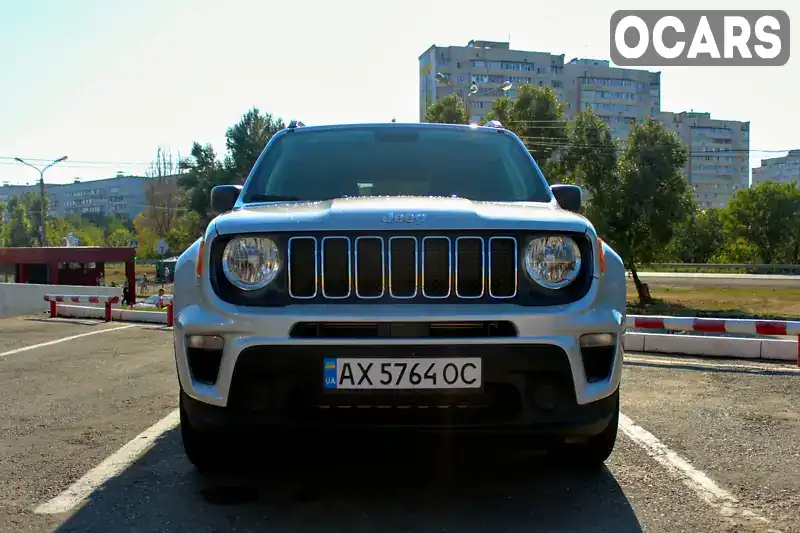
(403, 218)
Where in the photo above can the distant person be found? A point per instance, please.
(126, 295)
(161, 298)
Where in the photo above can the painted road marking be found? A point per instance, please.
(701, 363)
(696, 480)
(114, 465)
(77, 493)
(57, 341)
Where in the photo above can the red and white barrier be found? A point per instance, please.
(714, 325)
(77, 298)
(55, 299)
(718, 325)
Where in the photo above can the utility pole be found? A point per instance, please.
(42, 213)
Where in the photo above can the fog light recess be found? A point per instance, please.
(204, 353)
(598, 351)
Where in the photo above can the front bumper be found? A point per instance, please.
(262, 366)
(526, 389)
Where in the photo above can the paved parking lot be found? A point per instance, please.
(707, 446)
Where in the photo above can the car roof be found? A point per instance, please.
(392, 125)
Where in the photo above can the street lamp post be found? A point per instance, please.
(42, 234)
(473, 89)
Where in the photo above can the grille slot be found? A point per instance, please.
(303, 281)
(470, 266)
(437, 267)
(502, 267)
(403, 267)
(336, 267)
(370, 272)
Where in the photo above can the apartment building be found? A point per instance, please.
(123, 195)
(620, 96)
(719, 154)
(784, 169)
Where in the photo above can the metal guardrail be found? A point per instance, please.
(713, 268)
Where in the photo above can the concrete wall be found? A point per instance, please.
(26, 299)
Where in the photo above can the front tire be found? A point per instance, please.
(203, 447)
(593, 452)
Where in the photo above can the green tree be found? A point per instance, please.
(21, 232)
(637, 202)
(736, 250)
(57, 230)
(188, 227)
(700, 237)
(204, 172)
(3, 225)
(590, 157)
(768, 217)
(537, 117)
(448, 110)
(246, 140)
(119, 238)
(146, 237)
(90, 235)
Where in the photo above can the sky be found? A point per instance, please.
(108, 82)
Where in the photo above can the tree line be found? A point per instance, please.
(640, 201)
(639, 198)
(177, 190)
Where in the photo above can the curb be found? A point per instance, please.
(120, 315)
(724, 347)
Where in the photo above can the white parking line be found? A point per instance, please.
(114, 465)
(703, 486)
(64, 339)
(696, 480)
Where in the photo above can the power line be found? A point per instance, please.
(89, 162)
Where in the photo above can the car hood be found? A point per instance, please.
(398, 213)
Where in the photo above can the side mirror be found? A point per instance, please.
(223, 198)
(568, 197)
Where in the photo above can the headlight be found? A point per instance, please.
(552, 262)
(251, 263)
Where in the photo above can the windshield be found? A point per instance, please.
(380, 161)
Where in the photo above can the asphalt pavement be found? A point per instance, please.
(707, 446)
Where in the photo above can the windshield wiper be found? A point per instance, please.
(273, 198)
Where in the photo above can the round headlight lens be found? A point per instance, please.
(251, 263)
(553, 262)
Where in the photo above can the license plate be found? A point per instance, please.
(411, 373)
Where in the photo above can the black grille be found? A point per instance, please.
(403, 267)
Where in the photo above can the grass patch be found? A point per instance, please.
(116, 272)
(723, 302)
